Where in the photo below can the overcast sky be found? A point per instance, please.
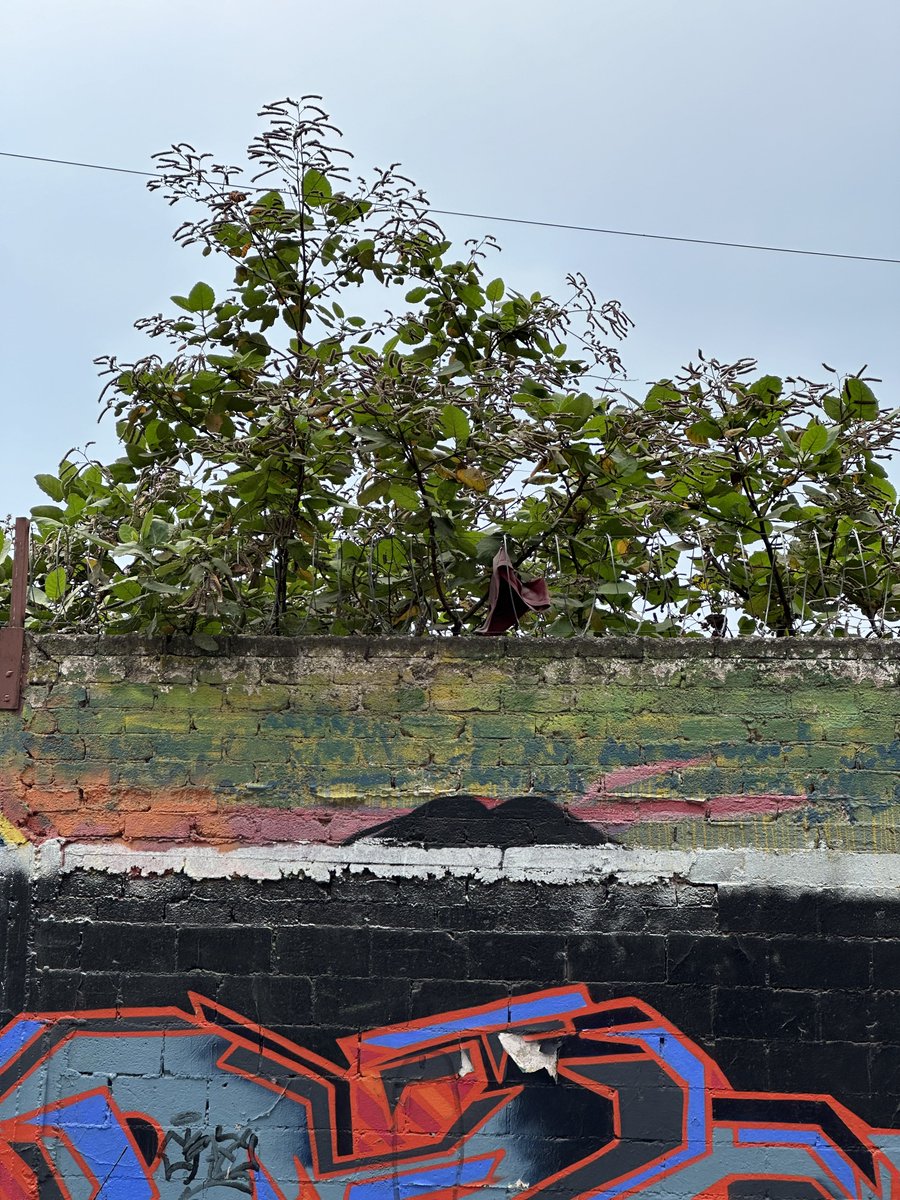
(772, 121)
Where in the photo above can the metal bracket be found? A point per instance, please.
(12, 638)
(12, 647)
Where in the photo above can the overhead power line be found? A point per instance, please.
(69, 162)
(669, 237)
(449, 212)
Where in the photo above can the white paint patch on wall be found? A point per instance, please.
(531, 1056)
(796, 870)
(21, 860)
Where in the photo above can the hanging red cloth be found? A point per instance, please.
(509, 598)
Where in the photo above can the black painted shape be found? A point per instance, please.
(772, 1189)
(467, 821)
(790, 1111)
(326, 1084)
(146, 1138)
(15, 890)
(651, 1103)
(620, 1015)
(583, 1048)
(34, 1158)
(651, 1114)
(333, 1140)
(555, 1126)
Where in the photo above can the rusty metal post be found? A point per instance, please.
(20, 574)
(12, 638)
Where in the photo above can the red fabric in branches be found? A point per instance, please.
(509, 599)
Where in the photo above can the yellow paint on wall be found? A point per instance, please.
(9, 835)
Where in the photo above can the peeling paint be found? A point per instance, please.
(792, 871)
(531, 1056)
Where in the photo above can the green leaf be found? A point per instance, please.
(494, 290)
(471, 295)
(155, 531)
(700, 432)
(315, 187)
(50, 486)
(201, 298)
(205, 381)
(883, 488)
(768, 389)
(405, 497)
(859, 400)
(581, 406)
(784, 436)
(455, 424)
(372, 491)
(162, 589)
(814, 439)
(127, 589)
(488, 546)
(816, 494)
(417, 295)
(661, 394)
(55, 584)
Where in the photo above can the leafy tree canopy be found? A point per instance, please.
(342, 439)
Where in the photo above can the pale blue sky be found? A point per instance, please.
(766, 121)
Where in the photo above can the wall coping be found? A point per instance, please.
(795, 871)
(54, 647)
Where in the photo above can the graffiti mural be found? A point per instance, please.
(551, 1095)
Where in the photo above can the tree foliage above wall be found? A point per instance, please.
(342, 438)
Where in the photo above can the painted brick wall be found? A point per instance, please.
(339, 920)
(654, 744)
(789, 995)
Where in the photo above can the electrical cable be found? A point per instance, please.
(596, 229)
(668, 237)
(69, 162)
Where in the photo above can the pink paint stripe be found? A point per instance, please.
(624, 811)
(263, 826)
(258, 826)
(266, 826)
(615, 781)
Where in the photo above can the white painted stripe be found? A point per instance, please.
(796, 870)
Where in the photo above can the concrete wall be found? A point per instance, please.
(379, 921)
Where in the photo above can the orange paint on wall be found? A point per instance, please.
(144, 818)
